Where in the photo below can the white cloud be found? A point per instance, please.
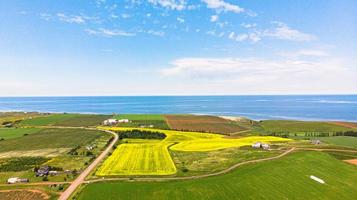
(214, 18)
(156, 33)
(76, 19)
(221, 5)
(180, 20)
(170, 4)
(263, 75)
(45, 16)
(304, 53)
(244, 25)
(280, 31)
(108, 32)
(125, 16)
(284, 32)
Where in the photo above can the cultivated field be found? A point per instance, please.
(137, 120)
(69, 120)
(23, 194)
(153, 158)
(50, 138)
(10, 133)
(289, 126)
(284, 178)
(202, 123)
(15, 117)
(344, 141)
(139, 159)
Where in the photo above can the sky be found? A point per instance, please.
(177, 47)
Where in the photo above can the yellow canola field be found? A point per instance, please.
(151, 157)
(195, 141)
(139, 159)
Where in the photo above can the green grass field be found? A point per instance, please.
(291, 126)
(47, 120)
(285, 178)
(69, 120)
(344, 141)
(10, 133)
(137, 120)
(50, 138)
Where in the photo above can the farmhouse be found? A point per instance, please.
(14, 180)
(43, 171)
(109, 122)
(123, 121)
(258, 145)
(315, 142)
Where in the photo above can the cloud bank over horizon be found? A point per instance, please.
(168, 47)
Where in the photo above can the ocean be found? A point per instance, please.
(258, 107)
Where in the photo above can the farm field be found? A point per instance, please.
(205, 162)
(196, 141)
(69, 120)
(344, 141)
(14, 117)
(50, 139)
(291, 126)
(153, 158)
(139, 159)
(201, 123)
(137, 120)
(285, 178)
(10, 133)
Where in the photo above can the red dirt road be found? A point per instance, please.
(66, 194)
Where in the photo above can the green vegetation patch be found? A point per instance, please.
(9, 133)
(20, 164)
(70, 120)
(143, 120)
(290, 126)
(47, 120)
(284, 178)
(50, 138)
(140, 134)
(344, 141)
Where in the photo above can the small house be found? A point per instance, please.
(315, 142)
(123, 121)
(13, 180)
(52, 173)
(257, 145)
(265, 146)
(110, 122)
(43, 171)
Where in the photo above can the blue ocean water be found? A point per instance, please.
(301, 107)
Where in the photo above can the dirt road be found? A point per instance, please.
(68, 192)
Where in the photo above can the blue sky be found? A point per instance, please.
(177, 47)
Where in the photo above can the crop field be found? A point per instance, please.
(20, 163)
(47, 120)
(50, 139)
(301, 126)
(137, 120)
(13, 117)
(10, 133)
(139, 159)
(284, 178)
(153, 158)
(202, 123)
(69, 120)
(83, 121)
(344, 141)
(23, 195)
